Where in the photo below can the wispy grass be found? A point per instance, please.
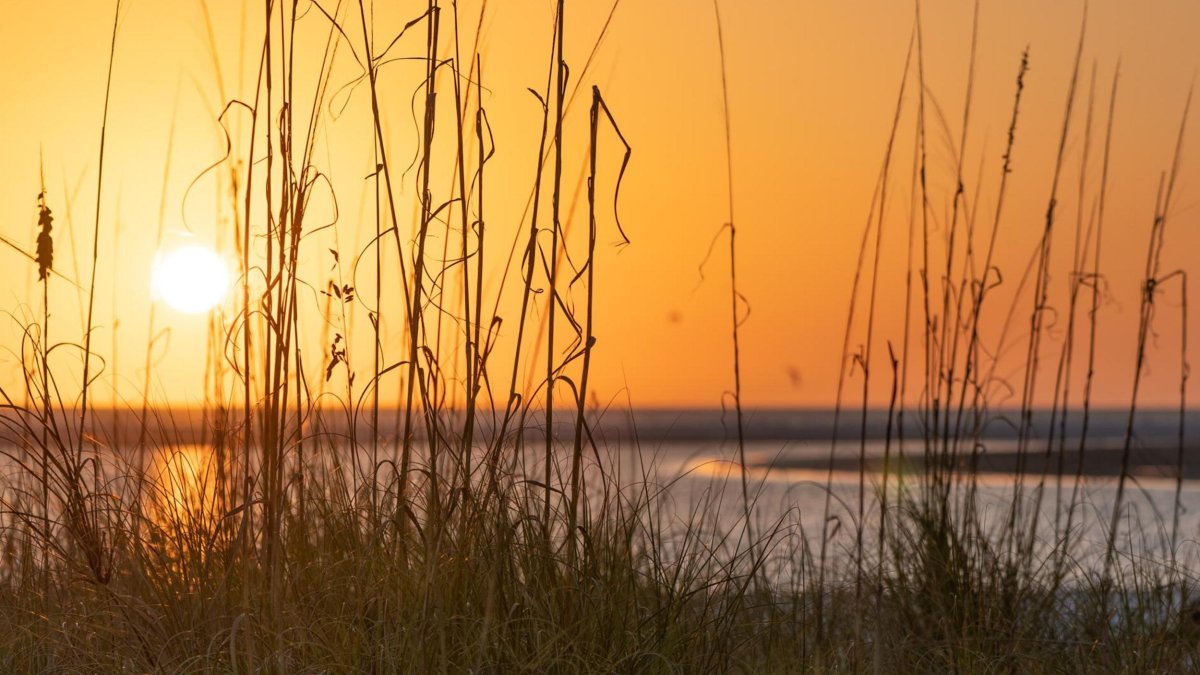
(498, 531)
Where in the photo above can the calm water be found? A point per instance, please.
(789, 456)
(687, 461)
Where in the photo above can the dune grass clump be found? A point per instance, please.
(296, 524)
(286, 529)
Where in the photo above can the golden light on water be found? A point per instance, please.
(191, 279)
(186, 483)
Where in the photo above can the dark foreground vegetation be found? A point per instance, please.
(298, 534)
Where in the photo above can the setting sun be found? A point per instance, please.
(192, 279)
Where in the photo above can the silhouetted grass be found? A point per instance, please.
(502, 535)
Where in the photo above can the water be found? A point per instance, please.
(791, 483)
(688, 462)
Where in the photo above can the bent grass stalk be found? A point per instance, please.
(1094, 281)
(735, 295)
(845, 364)
(1145, 320)
(90, 533)
(1040, 310)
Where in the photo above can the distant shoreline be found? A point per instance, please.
(1154, 427)
(1157, 461)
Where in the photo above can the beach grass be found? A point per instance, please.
(286, 528)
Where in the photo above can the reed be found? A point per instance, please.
(500, 529)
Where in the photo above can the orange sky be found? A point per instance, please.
(812, 85)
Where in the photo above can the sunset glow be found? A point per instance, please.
(812, 92)
(585, 336)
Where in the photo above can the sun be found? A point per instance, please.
(191, 279)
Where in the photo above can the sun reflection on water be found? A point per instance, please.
(182, 485)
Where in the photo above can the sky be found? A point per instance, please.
(812, 89)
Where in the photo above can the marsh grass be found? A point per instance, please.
(285, 533)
